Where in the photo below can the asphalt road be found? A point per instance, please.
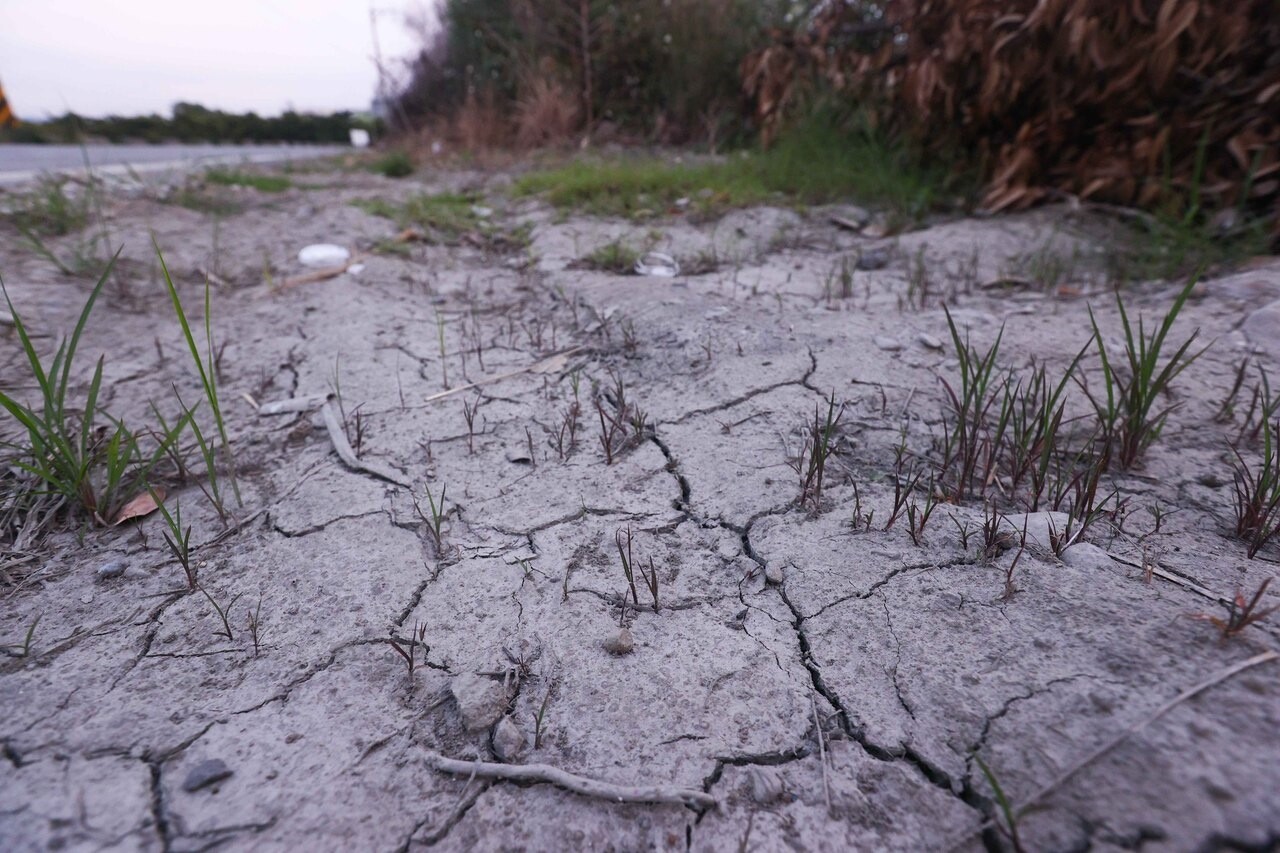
(21, 163)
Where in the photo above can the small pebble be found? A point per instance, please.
(873, 259)
(773, 574)
(620, 644)
(508, 741)
(887, 344)
(928, 341)
(113, 569)
(205, 773)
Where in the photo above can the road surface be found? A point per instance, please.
(20, 163)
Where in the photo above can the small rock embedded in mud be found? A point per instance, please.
(113, 569)
(1084, 555)
(205, 773)
(508, 741)
(766, 785)
(620, 644)
(481, 700)
(928, 341)
(887, 344)
(873, 259)
(519, 457)
(773, 574)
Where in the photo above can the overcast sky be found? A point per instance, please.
(126, 57)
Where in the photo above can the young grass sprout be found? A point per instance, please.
(818, 446)
(1242, 613)
(1257, 492)
(1127, 416)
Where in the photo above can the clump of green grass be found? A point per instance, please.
(1126, 418)
(48, 211)
(1257, 492)
(444, 218)
(261, 183)
(75, 450)
(615, 257)
(816, 162)
(212, 203)
(393, 164)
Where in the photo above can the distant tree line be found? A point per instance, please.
(192, 123)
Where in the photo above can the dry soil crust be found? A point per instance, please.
(827, 688)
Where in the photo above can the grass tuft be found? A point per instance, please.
(261, 183)
(816, 162)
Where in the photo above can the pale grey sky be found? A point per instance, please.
(128, 57)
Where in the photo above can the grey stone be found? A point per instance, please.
(481, 699)
(886, 343)
(206, 773)
(1085, 555)
(509, 742)
(874, 259)
(112, 569)
(620, 643)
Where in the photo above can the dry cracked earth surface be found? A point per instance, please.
(785, 676)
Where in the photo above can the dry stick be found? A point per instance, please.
(322, 274)
(822, 753)
(1068, 774)
(551, 364)
(348, 455)
(571, 782)
(1169, 576)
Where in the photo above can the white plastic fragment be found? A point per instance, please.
(658, 264)
(323, 255)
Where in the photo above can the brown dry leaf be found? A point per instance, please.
(141, 505)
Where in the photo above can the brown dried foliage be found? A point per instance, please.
(1110, 100)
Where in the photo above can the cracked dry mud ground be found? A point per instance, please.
(828, 688)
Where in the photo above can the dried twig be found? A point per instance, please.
(343, 447)
(1071, 772)
(571, 782)
(551, 364)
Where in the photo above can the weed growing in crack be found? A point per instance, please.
(1263, 407)
(356, 440)
(971, 443)
(1009, 827)
(1257, 492)
(23, 649)
(616, 415)
(1125, 417)
(254, 623)
(904, 483)
(408, 651)
(444, 367)
(177, 538)
(434, 521)
(628, 564)
(1241, 613)
(860, 519)
(469, 415)
(224, 613)
(539, 719)
(208, 376)
(817, 447)
(1033, 411)
(994, 538)
(918, 517)
(1009, 588)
